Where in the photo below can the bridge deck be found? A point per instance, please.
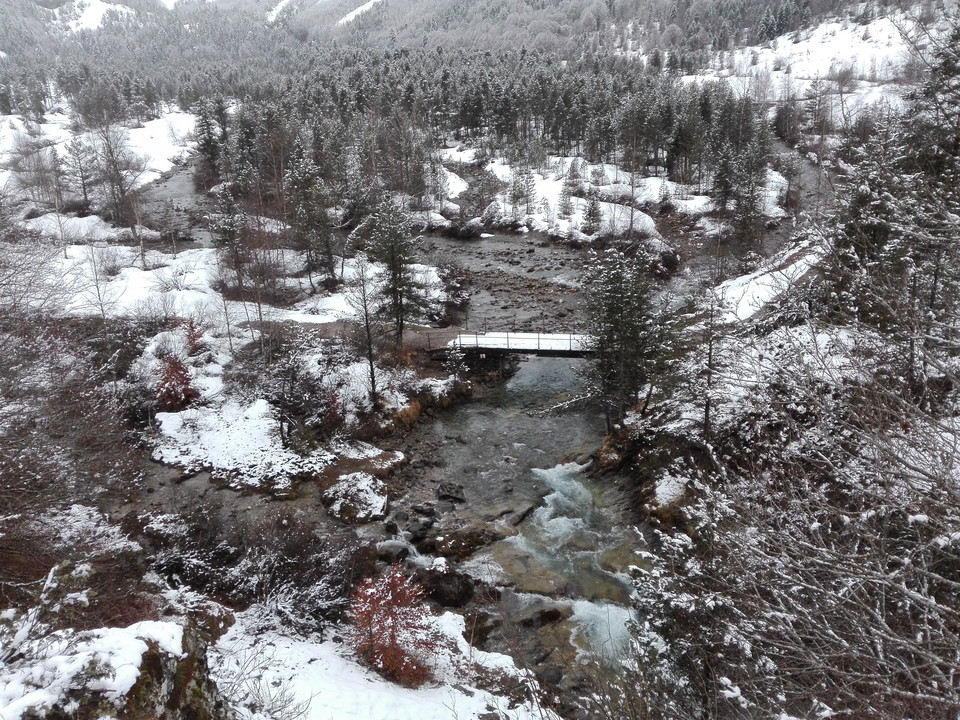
(529, 343)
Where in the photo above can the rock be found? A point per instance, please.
(451, 491)
(167, 687)
(478, 626)
(392, 551)
(537, 611)
(463, 542)
(177, 688)
(357, 498)
(447, 587)
(418, 529)
(549, 675)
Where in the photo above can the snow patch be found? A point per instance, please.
(360, 494)
(746, 295)
(334, 685)
(237, 440)
(63, 662)
(88, 14)
(354, 14)
(272, 15)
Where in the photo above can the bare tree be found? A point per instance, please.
(120, 170)
(369, 331)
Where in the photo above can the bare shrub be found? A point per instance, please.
(303, 579)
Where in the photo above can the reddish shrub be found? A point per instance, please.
(392, 629)
(193, 334)
(174, 391)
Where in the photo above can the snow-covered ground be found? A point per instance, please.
(87, 14)
(611, 184)
(59, 663)
(273, 14)
(353, 14)
(324, 677)
(743, 297)
(866, 57)
(162, 142)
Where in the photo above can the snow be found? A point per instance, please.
(871, 56)
(669, 489)
(86, 526)
(744, 296)
(618, 212)
(88, 14)
(106, 281)
(547, 342)
(167, 635)
(366, 494)
(456, 185)
(237, 440)
(91, 229)
(234, 438)
(56, 665)
(162, 142)
(352, 15)
(334, 685)
(458, 155)
(272, 15)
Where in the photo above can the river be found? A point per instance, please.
(561, 568)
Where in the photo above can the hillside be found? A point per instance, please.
(250, 466)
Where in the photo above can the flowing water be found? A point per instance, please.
(517, 458)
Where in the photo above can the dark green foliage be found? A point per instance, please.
(400, 294)
(627, 334)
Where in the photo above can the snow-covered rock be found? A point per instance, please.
(357, 498)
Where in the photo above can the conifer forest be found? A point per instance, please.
(479, 359)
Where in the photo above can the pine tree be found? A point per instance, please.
(401, 296)
(593, 217)
(565, 204)
(624, 329)
(307, 201)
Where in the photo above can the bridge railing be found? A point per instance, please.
(523, 341)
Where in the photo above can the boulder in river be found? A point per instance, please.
(453, 492)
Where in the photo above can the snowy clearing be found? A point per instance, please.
(163, 142)
(88, 14)
(272, 15)
(744, 296)
(233, 440)
(353, 14)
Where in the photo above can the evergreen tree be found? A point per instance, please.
(593, 217)
(401, 294)
(308, 209)
(624, 329)
(565, 204)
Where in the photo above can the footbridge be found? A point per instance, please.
(524, 343)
